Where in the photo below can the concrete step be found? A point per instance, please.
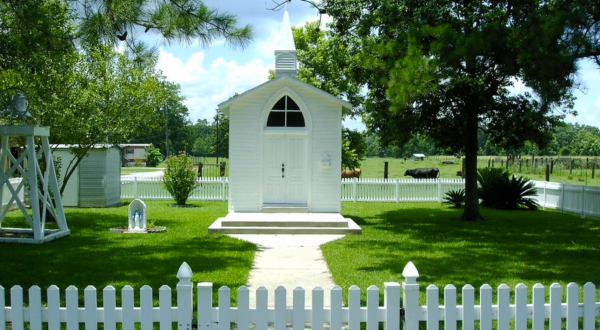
(285, 223)
(285, 230)
(285, 209)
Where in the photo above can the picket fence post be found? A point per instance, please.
(135, 187)
(184, 298)
(2, 307)
(391, 298)
(204, 305)
(354, 188)
(410, 297)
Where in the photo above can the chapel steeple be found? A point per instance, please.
(285, 50)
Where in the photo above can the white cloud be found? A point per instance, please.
(205, 85)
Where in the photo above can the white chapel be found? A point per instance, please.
(285, 141)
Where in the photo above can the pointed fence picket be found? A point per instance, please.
(400, 309)
(52, 316)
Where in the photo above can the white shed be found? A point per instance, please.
(97, 180)
(285, 141)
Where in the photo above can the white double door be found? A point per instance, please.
(285, 169)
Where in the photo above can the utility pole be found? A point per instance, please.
(217, 150)
(166, 109)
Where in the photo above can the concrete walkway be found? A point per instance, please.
(290, 261)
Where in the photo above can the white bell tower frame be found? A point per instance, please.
(44, 196)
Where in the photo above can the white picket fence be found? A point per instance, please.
(210, 188)
(584, 200)
(398, 190)
(401, 308)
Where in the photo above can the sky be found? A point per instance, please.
(210, 75)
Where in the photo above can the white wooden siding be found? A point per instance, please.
(113, 170)
(244, 154)
(96, 182)
(70, 197)
(245, 143)
(92, 177)
(326, 138)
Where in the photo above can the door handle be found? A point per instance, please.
(282, 170)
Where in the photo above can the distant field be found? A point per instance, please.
(373, 168)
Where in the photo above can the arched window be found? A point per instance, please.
(285, 113)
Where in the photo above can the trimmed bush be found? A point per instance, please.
(498, 189)
(180, 178)
(153, 156)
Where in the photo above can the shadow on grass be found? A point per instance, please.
(92, 255)
(509, 247)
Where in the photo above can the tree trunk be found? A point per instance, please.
(471, 210)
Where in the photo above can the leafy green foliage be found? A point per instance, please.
(353, 148)
(61, 54)
(446, 69)
(498, 189)
(181, 21)
(455, 197)
(153, 156)
(317, 67)
(324, 63)
(180, 177)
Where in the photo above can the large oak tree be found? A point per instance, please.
(448, 69)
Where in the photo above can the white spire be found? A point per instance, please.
(286, 37)
(285, 50)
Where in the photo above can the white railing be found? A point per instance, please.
(401, 308)
(584, 200)
(151, 188)
(398, 190)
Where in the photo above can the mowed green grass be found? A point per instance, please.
(374, 168)
(92, 255)
(509, 247)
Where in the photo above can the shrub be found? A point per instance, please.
(153, 156)
(455, 197)
(498, 189)
(180, 178)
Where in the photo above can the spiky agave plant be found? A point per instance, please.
(455, 197)
(498, 189)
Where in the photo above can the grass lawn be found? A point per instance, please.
(509, 247)
(92, 255)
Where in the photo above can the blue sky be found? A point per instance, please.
(209, 76)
